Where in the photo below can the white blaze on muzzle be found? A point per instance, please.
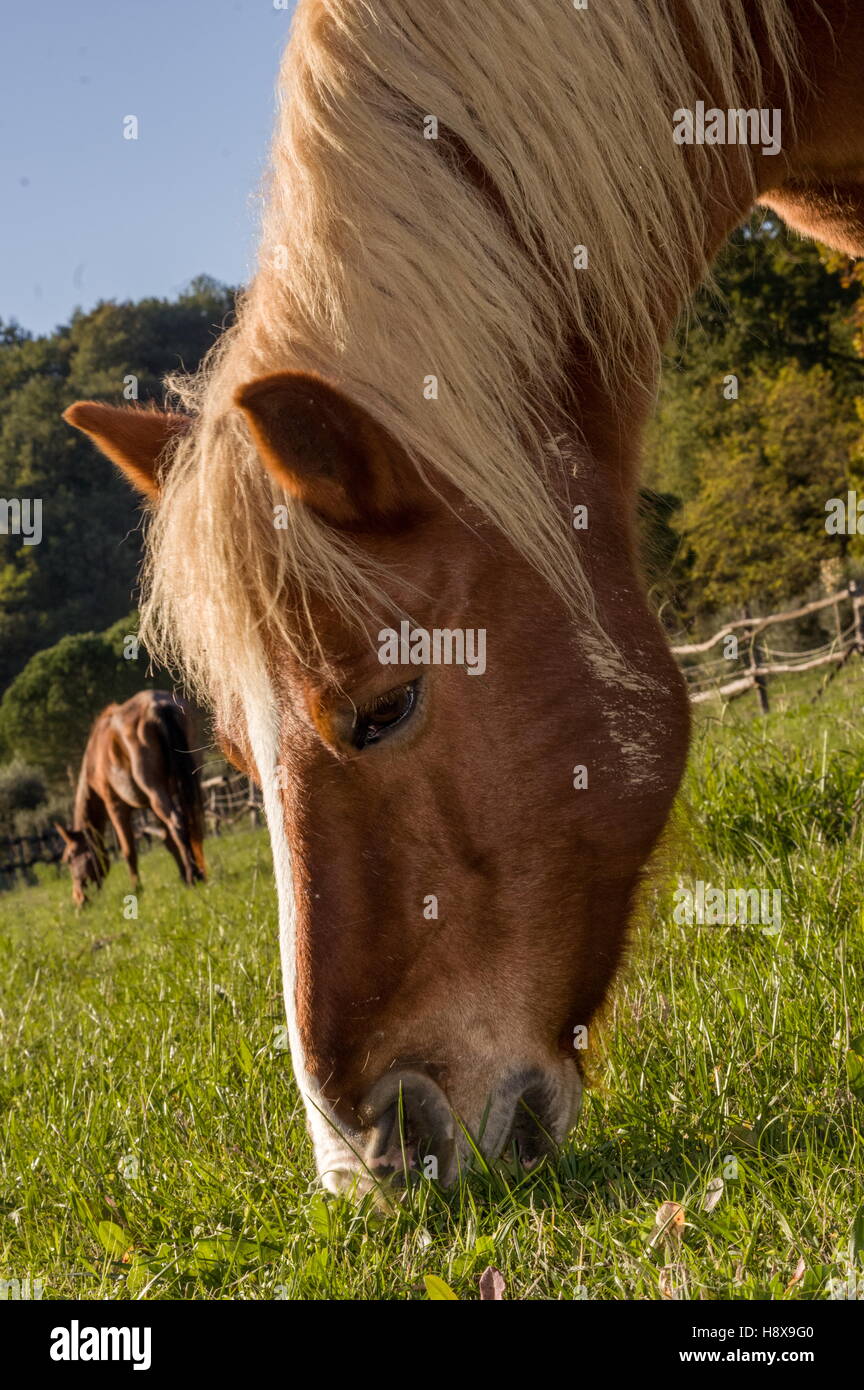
(335, 1159)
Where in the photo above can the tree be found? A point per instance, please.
(22, 788)
(782, 305)
(757, 524)
(47, 711)
(90, 519)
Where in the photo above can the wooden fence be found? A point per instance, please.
(19, 853)
(749, 658)
(227, 799)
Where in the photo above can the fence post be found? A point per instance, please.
(759, 681)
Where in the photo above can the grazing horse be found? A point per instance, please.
(138, 757)
(484, 220)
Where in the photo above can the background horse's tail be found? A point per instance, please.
(183, 777)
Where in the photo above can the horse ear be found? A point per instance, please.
(327, 451)
(63, 833)
(133, 438)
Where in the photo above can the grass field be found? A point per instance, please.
(152, 1144)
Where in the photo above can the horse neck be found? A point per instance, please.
(89, 812)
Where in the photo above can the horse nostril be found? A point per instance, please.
(386, 1138)
(530, 1133)
(410, 1125)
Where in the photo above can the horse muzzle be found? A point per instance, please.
(410, 1126)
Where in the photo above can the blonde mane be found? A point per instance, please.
(388, 258)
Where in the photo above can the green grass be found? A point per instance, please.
(152, 1144)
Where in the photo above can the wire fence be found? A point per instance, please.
(228, 799)
(748, 658)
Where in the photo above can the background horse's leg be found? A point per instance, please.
(121, 818)
(93, 819)
(177, 837)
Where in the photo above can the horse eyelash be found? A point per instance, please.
(381, 701)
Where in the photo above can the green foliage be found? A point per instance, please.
(753, 473)
(82, 574)
(46, 712)
(22, 788)
(777, 298)
(756, 527)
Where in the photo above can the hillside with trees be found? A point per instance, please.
(82, 575)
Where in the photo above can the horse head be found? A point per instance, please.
(457, 842)
(83, 860)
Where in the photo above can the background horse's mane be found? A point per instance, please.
(388, 258)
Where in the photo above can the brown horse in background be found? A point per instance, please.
(138, 756)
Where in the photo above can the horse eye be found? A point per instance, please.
(381, 716)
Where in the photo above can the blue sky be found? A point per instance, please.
(89, 215)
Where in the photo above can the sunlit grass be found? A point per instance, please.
(152, 1144)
